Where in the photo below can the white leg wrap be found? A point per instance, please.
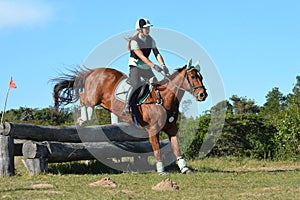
(160, 168)
(90, 111)
(182, 165)
(83, 113)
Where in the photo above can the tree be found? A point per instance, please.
(294, 98)
(242, 105)
(287, 124)
(221, 106)
(275, 102)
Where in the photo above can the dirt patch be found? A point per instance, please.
(127, 191)
(166, 185)
(42, 186)
(105, 182)
(52, 192)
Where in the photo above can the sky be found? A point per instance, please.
(254, 45)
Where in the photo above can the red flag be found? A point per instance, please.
(12, 84)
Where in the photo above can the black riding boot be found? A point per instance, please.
(127, 102)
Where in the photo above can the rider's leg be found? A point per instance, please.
(127, 102)
(135, 81)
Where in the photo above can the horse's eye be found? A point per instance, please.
(193, 76)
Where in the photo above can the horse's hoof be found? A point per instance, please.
(80, 122)
(163, 173)
(189, 171)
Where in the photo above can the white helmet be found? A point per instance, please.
(142, 23)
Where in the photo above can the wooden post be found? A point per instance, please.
(7, 165)
(36, 166)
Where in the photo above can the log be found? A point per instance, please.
(5, 129)
(65, 152)
(117, 132)
(6, 156)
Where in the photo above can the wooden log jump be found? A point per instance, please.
(47, 144)
(98, 133)
(66, 152)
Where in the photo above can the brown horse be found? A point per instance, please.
(99, 85)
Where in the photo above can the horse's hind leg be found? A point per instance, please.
(86, 113)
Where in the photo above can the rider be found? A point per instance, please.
(140, 46)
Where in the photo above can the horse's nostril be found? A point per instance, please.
(202, 95)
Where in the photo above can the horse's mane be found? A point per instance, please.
(171, 77)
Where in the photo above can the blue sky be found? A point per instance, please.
(255, 45)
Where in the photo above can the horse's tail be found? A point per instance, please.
(67, 87)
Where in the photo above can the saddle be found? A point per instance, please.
(138, 97)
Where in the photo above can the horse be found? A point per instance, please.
(159, 111)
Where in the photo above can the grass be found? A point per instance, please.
(221, 178)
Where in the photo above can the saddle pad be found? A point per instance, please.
(122, 90)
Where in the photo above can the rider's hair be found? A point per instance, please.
(131, 38)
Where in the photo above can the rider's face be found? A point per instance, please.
(146, 31)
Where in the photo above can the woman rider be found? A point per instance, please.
(140, 46)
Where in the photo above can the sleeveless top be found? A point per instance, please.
(145, 44)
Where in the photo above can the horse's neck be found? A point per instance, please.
(174, 92)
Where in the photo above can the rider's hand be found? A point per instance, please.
(157, 68)
(166, 70)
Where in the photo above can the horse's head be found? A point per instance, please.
(193, 81)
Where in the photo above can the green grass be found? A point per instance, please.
(215, 179)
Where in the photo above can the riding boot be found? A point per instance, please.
(127, 102)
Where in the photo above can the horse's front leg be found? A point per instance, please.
(154, 139)
(180, 160)
(176, 150)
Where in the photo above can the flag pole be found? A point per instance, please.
(2, 117)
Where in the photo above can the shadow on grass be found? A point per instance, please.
(90, 167)
(212, 170)
(22, 189)
(95, 167)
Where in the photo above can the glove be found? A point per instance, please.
(166, 70)
(157, 68)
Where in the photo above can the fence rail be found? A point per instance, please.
(41, 145)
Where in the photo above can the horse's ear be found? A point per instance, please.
(189, 63)
(197, 65)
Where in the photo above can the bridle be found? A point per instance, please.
(192, 88)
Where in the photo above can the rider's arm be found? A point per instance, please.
(140, 54)
(158, 57)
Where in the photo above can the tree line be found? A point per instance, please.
(270, 131)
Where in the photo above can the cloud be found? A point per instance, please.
(24, 13)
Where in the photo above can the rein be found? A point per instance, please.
(159, 101)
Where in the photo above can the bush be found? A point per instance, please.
(287, 136)
(242, 136)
